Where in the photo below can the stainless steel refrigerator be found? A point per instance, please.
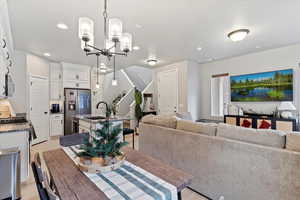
(77, 102)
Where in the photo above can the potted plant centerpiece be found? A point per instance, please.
(103, 148)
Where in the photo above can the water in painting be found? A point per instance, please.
(266, 86)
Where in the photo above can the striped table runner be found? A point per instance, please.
(129, 182)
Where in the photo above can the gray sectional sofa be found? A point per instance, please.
(225, 160)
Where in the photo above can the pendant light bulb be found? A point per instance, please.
(114, 82)
(97, 85)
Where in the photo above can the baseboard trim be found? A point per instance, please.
(199, 193)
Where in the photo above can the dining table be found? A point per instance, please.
(72, 184)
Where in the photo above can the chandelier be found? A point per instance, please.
(116, 43)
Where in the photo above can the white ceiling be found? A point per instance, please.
(171, 29)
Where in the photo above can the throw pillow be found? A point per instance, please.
(246, 123)
(265, 125)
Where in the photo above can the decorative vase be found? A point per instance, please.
(95, 165)
(85, 160)
(99, 160)
(120, 157)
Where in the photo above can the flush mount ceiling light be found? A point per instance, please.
(136, 48)
(238, 35)
(47, 54)
(114, 37)
(62, 26)
(151, 62)
(199, 48)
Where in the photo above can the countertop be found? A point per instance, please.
(112, 119)
(4, 128)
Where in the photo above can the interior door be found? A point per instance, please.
(168, 91)
(39, 107)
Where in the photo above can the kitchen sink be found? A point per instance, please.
(96, 118)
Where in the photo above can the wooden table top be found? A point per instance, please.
(72, 184)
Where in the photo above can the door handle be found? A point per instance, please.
(45, 113)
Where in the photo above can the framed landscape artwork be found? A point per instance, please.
(266, 86)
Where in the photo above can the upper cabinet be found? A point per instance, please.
(55, 71)
(76, 76)
(56, 90)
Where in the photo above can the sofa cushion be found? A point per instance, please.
(160, 120)
(293, 141)
(197, 127)
(272, 138)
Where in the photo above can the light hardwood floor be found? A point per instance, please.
(29, 191)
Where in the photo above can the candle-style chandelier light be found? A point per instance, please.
(113, 38)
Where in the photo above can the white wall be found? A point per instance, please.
(275, 59)
(193, 90)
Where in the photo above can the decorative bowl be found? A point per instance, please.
(100, 165)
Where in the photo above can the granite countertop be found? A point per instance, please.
(4, 128)
(87, 118)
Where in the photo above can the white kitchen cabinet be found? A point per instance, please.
(56, 90)
(76, 76)
(55, 71)
(77, 84)
(56, 124)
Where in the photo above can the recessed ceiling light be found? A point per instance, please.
(238, 35)
(62, 26)
(151, 62)
(47, 54)
(199, 48)
(136, 48)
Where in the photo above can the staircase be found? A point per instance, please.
(128, 79)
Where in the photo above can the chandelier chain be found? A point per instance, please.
(105, 15)
(97, 68)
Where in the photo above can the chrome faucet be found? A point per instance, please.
(107, 111)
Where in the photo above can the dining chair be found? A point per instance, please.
(42, 192)
(74, 139)
(38, 165)
(50, 192)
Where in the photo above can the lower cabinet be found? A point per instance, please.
(56, 124)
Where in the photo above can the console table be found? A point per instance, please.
(287, 125)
